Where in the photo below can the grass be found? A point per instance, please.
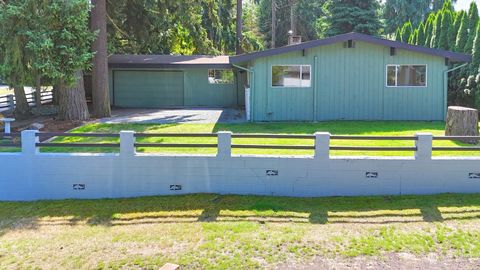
(377, 128)
(5, 91)
(208, 231)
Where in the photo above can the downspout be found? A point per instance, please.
(251, 88)
(315, 88)
(445, 87)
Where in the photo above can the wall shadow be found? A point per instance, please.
(218, 208)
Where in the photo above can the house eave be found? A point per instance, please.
(452, 56)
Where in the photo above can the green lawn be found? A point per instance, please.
(233, 232)
(5, 91)
(337, 128)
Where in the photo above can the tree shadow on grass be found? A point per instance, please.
(219, 208)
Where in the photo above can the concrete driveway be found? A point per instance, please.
(169, 116)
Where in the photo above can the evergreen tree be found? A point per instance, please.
(413, 37)
(473, 22)
(397, 12)
(462, 34)
(420, 35)
(15, 59)
(436, 30)
(407, 32)
(398, 35)
(473, 15)
(445, 30)
(345, 16)
(429, 29)
(453, 30)
(474, 66)
(448, 6)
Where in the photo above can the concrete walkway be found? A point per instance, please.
(169, 116)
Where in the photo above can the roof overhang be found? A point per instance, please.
(452, 56)
(168, 61)
(170, 66)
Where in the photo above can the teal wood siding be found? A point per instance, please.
(349, 84)
(195, 90)
(281, 103)
(150, 89)
(199, 92)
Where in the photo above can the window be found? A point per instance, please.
(220, 76)
(406, 75)
(291, 76)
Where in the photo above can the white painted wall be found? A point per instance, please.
(32, 176)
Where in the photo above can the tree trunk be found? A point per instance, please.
(100, 91)
(72, 101)
(462, 121)
(22, 109)
(55, 93)
(239, 27)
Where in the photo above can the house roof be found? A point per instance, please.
(452, 56)
(167, 61)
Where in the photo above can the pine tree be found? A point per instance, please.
(448, 6)
(420, 35)
(397, 12)
(445, 30)
(452, 32)
(473, 15)
(398, 35)
(473, 22)
(429, 29)
(437, 26)
(407, 32)
(352, 16)
(474, 66)
(413, 37)
(462, 34)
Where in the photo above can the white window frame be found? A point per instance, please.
(300, 65)
(222, 83)
(396, 79)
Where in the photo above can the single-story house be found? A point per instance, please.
(346, 77)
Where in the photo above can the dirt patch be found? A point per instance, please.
(389, 261)
(50, 124)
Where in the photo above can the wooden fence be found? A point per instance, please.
(320, 142)
(7, 102)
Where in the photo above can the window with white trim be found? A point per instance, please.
(291, 76)
(220, 76)
(406, 75)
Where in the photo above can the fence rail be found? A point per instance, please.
(7, 102)
(126, 142)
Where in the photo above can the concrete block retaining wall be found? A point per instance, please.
(32, 176)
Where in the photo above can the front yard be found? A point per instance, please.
(336, 128)
(5, 91)
(240, 232)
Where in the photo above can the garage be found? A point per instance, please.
(173, 81)
(149, 89)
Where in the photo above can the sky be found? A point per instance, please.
(464, 4)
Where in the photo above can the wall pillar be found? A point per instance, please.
(29, 141)
(224, 144)
(127, 143)
(424, 144)
(322, 145)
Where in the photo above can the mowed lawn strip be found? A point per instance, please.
(5, 91)
(382, 128)
(209, 231)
